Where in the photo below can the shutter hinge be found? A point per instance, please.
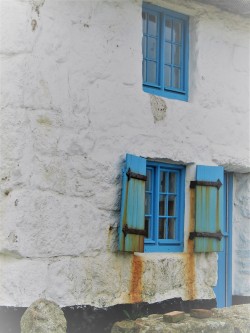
(217, 235)
(134, 175)
(126, 230)
(195, 183)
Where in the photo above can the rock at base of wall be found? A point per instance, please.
(227, 320)
(43, 316)
(237, 315)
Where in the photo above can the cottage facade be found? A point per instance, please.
(74, 102)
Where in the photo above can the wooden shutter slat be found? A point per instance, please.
(209, 208)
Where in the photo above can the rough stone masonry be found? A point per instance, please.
(43, 316)
(72, 106)
(235, 319)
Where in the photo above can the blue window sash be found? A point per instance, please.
(146, 58)
(154, 244)
(159, 88)
(152, 192)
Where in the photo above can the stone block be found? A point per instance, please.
(125, 326)
(174, 316)
(201, 313)
(43, 316)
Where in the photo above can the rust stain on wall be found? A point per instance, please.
(136, 286)
(33, 24)
(43, 120)
(124, 220)
(190, 275)
(109, 237)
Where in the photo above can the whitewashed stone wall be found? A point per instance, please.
(241, 233)
(72, 105)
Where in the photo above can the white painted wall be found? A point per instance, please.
(241, 235)
(72, 106)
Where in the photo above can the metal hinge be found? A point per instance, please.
(195, 183)
(126, 230)
(134, 175)
(217, 235)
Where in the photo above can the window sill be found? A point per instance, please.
(166, 94)
(163, 248)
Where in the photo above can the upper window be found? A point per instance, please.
(164, 207)
(165, 52)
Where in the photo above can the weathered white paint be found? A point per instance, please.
(241, 233)
(72, 106)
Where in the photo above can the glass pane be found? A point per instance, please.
(151, 71)
(163, 181)
(152, 24)
(167, 53)
(177, 27)
(168, 28)
(171, 205)
(151, 48)
(147, 226)
(167, 73)
(149, 180)
(144, 70)
(162, 205)
(144, 45)
(172, 182)
(148, 203)
(176, 55)
(177, 78)
(171, 228)
(144, 22)
(162, 228)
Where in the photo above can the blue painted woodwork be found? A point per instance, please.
(209, 208)
(132, 205)
(164, 213)
(223, 289)
(165, 47)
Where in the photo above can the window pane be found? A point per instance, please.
(152, 24)
(171, 205)
(176, 55)
(162, 205)
(172, 182)
(149, 180)
(177, 78)
(171, 229)
(162, 228)
(168, 28)
(167, 53)
(144, 22)
(177, 27)
(151, 48)
(151, 71)
(167, 73)
(147, 226)
(148, 203)
(163, 181)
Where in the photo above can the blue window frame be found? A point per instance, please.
(164, 207)
(165, 52)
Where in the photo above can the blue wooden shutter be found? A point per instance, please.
(209, 208)
(131, 228)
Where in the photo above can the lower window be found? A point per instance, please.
(164, 207)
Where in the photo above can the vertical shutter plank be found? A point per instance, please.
(133, 205)
(209, 208)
